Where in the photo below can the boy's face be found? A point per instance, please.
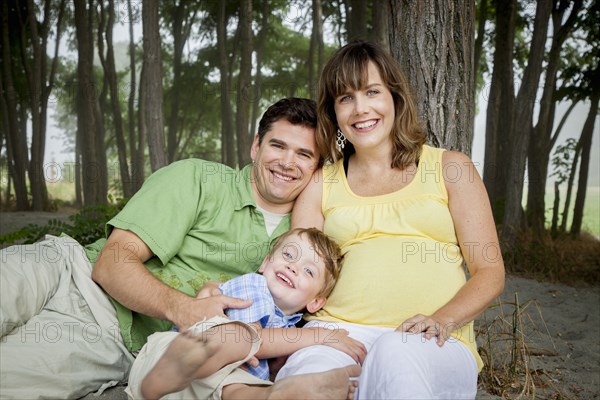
(295, 274)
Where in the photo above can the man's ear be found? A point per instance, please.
(254, 148)
(316, 304)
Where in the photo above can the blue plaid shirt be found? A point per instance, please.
(262, 310)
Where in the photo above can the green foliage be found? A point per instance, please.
(86, 227)
(562, 160)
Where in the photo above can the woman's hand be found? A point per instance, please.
(429, 326)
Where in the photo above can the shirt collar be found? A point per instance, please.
(244, 189)
(291, 320)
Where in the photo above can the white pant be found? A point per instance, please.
(59, 333)
(398, 365)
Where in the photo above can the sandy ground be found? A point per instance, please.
(560, 325)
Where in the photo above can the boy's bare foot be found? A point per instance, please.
(334, 384)
(177, 367)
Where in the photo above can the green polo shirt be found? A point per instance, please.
(200, 220)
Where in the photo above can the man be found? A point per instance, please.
(191, 222)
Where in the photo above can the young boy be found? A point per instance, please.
(298, 274)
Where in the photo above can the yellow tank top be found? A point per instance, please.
(401, 252)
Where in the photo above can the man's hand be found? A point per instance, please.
(339, 339)
(209, 289)
(193, 310)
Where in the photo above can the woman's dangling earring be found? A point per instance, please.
(340, 140)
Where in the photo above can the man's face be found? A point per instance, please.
(283, 165)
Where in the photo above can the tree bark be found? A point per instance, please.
(260, 50)
(521, 132)
(93, 172)
(482, 15)
(111, 76)
(15, 138)
(316, 49)
(586, 146)
(135, 146)
(433, 41)
(244, 78)
(540, 141)
(227, 136)
(499, 116)
(381, 13)
(153, 85)
(356, 20)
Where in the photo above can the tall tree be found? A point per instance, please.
(522, 128)
(540, 143)
(136, 147)
(16, 140)
(244, 80)
(227, 135)
(381, 14)
(153, 87)
(110, 73)
(499, 114)
(183, 15)
(433, 40)
(94, 172)
(316, 48)
(260, 50)
(40, 85)
(356, 19)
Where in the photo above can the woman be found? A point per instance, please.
(407, 217)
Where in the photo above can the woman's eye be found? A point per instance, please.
(345, 99)
(372, 92)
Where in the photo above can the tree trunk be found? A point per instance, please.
(316, 49)
(183, 19)
(135, 147)
(142, 135)
(153, 85)
(260, 49)
(227, 136)
(381, 14)
(482, 16)
(243, 95)
(565, 214)
(433, 40)
(499, 117)
(15, 139)
(93, 172)
(356, 20)
(522, 128)
(540, 141)
(35, 76)
(111, 76)
(555, 207)
(586, 146)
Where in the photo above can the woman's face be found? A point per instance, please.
(366, 116)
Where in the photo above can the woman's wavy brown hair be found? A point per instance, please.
(347, 69)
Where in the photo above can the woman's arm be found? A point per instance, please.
(277, 342)
(307, 212)
(476, 232)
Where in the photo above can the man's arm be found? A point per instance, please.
(277, 342)
(121, 272)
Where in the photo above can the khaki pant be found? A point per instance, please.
(59, 336)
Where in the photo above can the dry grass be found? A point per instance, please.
(509, 335)
(574, 262)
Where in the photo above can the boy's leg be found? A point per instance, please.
(191, 357)
(334, 384)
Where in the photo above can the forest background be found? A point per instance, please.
(130, 86)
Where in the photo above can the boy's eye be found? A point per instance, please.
(287, 255)
(309, 272)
